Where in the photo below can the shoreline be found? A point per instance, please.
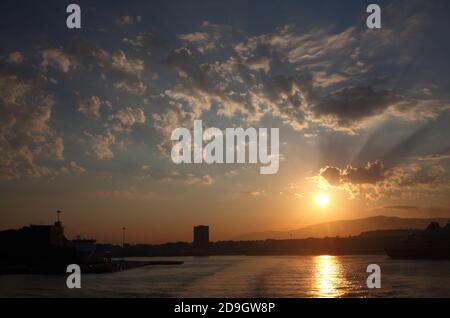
(93, 268)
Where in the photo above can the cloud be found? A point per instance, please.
(101, 145)
(202, 41)
(317, 44)
(329, 83)
(131, 87)
(350, 107)
(124, 119)
(434, 157)
(372, 173)
(119, 124)
(211, 37)
(205, 180)
(59, 148)
(331, 174)
(416, 175)
(120, 194)
(340, 60)
(58, 59)
(402, 207)
(72, 168)
(145, 39)
(165, 123)
(323, 79)
(182, 178)
(353, 179)
(194, 37)
(25, 112)
(297, 47)
(15, 58)
(320, 77)
(237, 86)
(90, 107)
(231, 85)
(25, 133)
(287, 97)
(417, 110)
(128, 20)
(120, 62)
(124, 72)
(233, 89)
(375, 181)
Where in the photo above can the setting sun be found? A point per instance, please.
(322, 199)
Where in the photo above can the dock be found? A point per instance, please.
(86, 268)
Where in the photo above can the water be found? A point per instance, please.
(249, 276)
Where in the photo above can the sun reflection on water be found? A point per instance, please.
(329, 278)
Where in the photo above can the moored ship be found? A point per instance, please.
(433, 243)
(85, 247)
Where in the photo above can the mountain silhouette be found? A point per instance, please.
(344, 228)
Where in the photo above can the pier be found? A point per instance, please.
(87, 268)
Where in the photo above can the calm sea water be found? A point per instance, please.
(247, 276)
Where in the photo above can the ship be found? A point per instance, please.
(85, 248)
(433, 243)
(44, 250)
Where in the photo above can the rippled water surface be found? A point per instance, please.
(248, 276)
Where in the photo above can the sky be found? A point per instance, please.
(86, 114)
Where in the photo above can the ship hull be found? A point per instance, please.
(419, 253)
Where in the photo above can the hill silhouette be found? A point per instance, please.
(344, 228)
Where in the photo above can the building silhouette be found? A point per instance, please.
(201, 236)
(36, 245)
(36, 235)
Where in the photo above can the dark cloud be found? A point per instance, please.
(332, 175)
(348, 107)
(375, 181)
(434, 156)
(372, 173)
(415, 175)
(309, 89)
(440, 155)
(191, 72)
(402, 207)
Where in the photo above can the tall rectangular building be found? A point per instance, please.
(201, 235)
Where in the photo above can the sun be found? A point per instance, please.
(322, 199)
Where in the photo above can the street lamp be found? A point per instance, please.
(123, 243)
(123, 237)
